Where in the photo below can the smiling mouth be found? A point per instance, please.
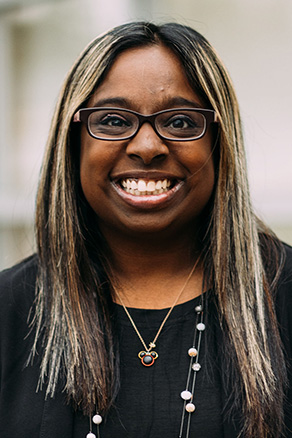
(143, 187)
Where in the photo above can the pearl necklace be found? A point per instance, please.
(187, 395)
(194, 367)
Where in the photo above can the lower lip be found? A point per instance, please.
(148, 201)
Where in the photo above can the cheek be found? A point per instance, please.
(87, 173)
(95, 157)
(202, 181)
(200, 163)
(94, 168)
(198, 158)
(207, 181)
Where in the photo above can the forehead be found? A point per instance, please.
(143, 75)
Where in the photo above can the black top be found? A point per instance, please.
(149, 402)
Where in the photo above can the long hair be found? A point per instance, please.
(72, 317)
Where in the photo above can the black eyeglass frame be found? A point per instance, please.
(82, 115)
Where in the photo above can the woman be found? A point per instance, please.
(162, 303)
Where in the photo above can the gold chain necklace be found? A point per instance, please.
(188, 393)
(148, 355)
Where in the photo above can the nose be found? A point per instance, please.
(147, 145)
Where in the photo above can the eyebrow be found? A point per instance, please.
(173, 102)
(111, 101)
(182, 101)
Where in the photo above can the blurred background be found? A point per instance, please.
(39, 41)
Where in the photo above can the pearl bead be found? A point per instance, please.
(97, 419)
(201, 327)
(193, 352)
(90, 435)
(186, 395)
(198, 309)
(196, 367)
(190, 407)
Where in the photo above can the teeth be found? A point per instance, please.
(133, 185)
(142, 187)
(158, 185)
(150, 186)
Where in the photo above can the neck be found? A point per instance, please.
(150, 273)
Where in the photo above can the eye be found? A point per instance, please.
(114, 120)
(103, 123)
(180, 122)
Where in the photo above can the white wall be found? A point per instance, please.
(39, 40)
(254, 39)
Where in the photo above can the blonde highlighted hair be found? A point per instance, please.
(73, 292)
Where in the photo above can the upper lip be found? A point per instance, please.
(147, 175)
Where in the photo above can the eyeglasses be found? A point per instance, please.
(177, 124)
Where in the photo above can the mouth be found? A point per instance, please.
(148, 191)
(146, 187)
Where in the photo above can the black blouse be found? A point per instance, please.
(149, 402)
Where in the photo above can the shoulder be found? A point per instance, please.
(287, 271)
(284, 287)
(14, 281)
(17, 291)
(19, 272)
(21, 408)
(277, 261)
(283, 301)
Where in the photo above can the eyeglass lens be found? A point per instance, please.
(172, 124)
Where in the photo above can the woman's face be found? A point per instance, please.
(147, 80)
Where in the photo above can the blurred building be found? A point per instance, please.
(39, 41)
